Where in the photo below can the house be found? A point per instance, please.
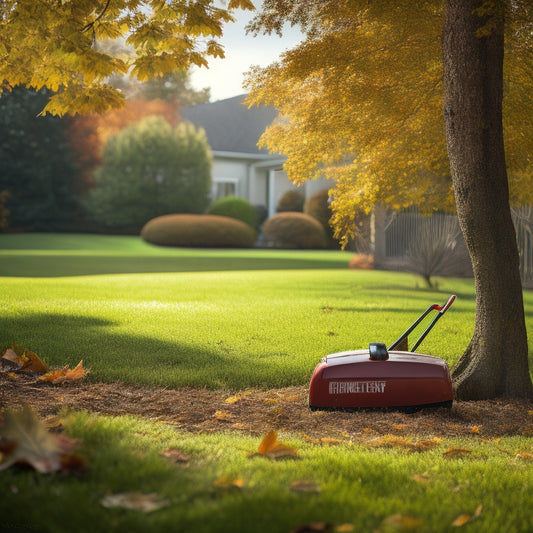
(240, 168)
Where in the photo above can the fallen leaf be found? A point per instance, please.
(399, 522)
(224, 416)
(305, 486)
(461, 520)
(176, 456)
(65, 374)
(328, 440)
(271, 447)
(233, 399)
(456, 452)
(27, 441)
(524, 456)
(25, 359)
(474, 429)
(228, 483)
(135, 501)
(345, 528)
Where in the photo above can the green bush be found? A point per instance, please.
(317, 206)
(151, 169)
(234, 207)
(291, 201)
(294, 230)
(206, 231)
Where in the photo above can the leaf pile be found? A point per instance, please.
(17, 360)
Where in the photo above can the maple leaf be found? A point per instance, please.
(272, 448)
(27, 441)
(65, 374)
(135, 501)
(456, 452)
(25, 359)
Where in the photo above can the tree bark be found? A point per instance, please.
(495, 363)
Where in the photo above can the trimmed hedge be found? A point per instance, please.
(234, 207)
(206, 231)
(291, 201)
(294, 230)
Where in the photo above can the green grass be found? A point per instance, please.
(235, 319)
(217, 328)
(358, 484)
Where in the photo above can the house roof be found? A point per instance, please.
(231, 126)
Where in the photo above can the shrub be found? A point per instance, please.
(205, 231)
(294, 230)
(233, 207)
(151, 169)
(317, 206)
(291, 201)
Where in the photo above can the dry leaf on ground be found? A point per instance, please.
(135, 501)
(456, 452)
(25, 440)
(65, 374)
(228, 483)
(272, 448)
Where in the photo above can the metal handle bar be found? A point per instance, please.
(435, 307)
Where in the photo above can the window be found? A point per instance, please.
(223, 187)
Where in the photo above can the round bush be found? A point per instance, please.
(291, 201)
(318, 207)
(294, 230)
(234, 207)
(206, 231)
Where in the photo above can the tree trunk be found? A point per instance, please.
(496, 360)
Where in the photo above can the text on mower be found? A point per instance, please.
(357, 387)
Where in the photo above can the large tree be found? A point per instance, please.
(55, 44)
(361, 99)
(496, 361)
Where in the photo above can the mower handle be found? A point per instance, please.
(435, 307)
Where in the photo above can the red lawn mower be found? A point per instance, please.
(393, 377)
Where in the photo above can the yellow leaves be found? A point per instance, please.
(65, 374)
(404, 443)
(273, 449)
(457, 453)
(167, 39)
(24, 359)
(463, 519)
(228, 482)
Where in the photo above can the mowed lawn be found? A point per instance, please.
(213, 318)
(235, 319)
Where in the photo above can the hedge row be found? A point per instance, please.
(206, 231)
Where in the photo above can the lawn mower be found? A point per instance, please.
(393, 377)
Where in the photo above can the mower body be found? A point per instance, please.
(380, 378)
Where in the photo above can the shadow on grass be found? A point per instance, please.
(140, 359)
(85, 265)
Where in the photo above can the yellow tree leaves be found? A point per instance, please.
(360, 101)
(58, 47)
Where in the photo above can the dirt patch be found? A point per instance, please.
(256, 411)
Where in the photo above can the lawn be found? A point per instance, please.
(237, 319)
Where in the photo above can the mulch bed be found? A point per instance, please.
(256, 411)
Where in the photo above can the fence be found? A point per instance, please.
(412, 238)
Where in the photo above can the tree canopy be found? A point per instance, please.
(55, 44)
(360, 101)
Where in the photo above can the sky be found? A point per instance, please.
(225, 76)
